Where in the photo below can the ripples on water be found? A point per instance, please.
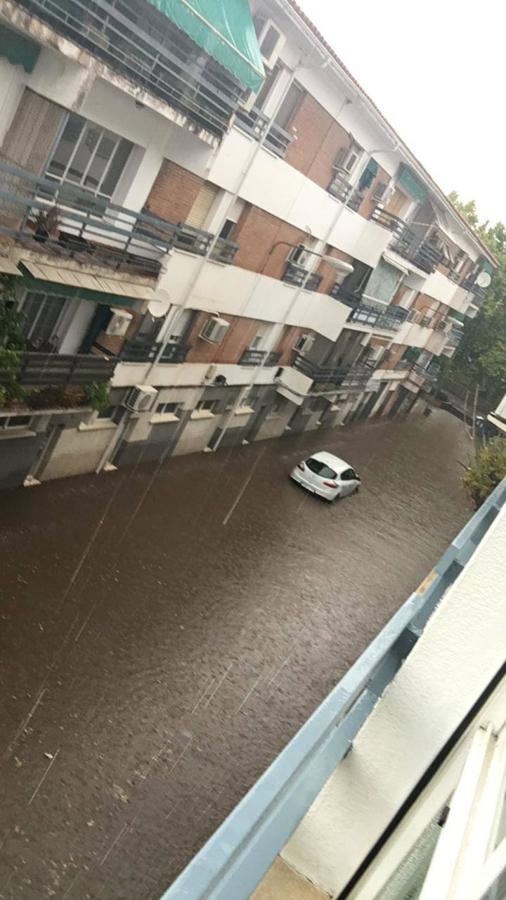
(185, 656)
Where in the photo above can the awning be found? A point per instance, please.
(225, 30)
(19, 50)
(407, 181)
(8, 267)
(83, 286)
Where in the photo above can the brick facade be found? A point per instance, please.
(256, 233)
(317, 139)
(237, 339)
(173, 193)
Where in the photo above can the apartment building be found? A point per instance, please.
(212, 219)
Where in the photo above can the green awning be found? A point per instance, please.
(19, 50)
(225, 30)
(75, 293)
(408, 182)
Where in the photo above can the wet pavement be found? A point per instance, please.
(165, 631)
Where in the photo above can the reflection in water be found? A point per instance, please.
(150, 673)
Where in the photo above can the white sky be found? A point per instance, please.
(437, 70)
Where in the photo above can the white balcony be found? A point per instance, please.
(413, 335)
(294, 385)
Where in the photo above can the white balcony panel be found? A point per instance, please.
(361, 238)
(437, 342)
(440, 288)
(190, 374)
(413, 335)
(461, 300)
(294, 385)
(230, 290)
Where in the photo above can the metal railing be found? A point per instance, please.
(479, 293)
(313, 282)
(339, 187)
(338, 375)
(65, 220)
(389, 318)
(195, 240)
(255, 123)
(144, 45)
(454, 338)
(234, 860)
(259, 358)
(294, 274)
(421, 253)
(139, 352)
(60, 369)
(388, 220)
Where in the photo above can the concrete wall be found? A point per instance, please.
(78, 450)
(427, 700)
(18, 453)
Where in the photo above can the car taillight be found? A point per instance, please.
(332, 484)
(301, 466)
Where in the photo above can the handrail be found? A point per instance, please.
(236, 857)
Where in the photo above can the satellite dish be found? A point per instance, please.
(483, 280)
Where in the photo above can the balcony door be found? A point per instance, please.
(42, 316)
(89, 156)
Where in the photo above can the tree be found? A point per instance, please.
(487, 471)
(481, 356)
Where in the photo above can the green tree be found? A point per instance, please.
(481, 356)
(487, 471)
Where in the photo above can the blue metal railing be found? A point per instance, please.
(236, 857)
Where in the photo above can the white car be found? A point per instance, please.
(326, 475)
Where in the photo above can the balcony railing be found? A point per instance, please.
(255, 123)
(345, 376)
(339, 187)
(421, 253)
(454, 338)
(65, 220)
(389, 318)
(148, 49)
(139, 352)
(195, 240)
(46, 369)
(313, 282)
(350, 298)
(259, 358)
(388, 220)
(478, 292)
(294, 274)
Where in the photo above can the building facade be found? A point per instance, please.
(207, 244)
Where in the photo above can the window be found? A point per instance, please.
(42, 313)
(90, 156)
(320, 468)
(169, 407)
(233, 218)
(289, 105)
(349, 475)
(15, 422)
(207, 406)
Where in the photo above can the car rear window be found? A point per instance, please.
(320, 468)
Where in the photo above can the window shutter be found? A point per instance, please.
(33, 131)
(201, 208)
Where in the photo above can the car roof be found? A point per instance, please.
(334, 461)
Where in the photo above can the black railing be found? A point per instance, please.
(454, 276)
(355, 201)
(479, 293)
(173, 353)
(143, 45)
(259, 358)
(388, 220)
(454, 338)
(389, 318)
(294, 274)
(313, 282)
(138, 352)
(421, 253)
(224, 250)
(341, 376)
(255, 123)
(65, 220)
(339, 187)
(50, 369)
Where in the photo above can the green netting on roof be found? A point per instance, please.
(224, 29)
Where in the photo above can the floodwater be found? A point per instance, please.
(165, 631)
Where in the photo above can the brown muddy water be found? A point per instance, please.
(165, 631)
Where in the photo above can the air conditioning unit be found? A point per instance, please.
(347, 158)
(298, 256)
(119, 322)
(140, 398)
(214, 330)
(270, 41)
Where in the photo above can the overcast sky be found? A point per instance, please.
(437, 70)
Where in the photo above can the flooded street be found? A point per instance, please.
(165, 631)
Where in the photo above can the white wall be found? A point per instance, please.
(458, 654)
(413, 335)
(190, 374)
(12, 79)
(79, 450)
